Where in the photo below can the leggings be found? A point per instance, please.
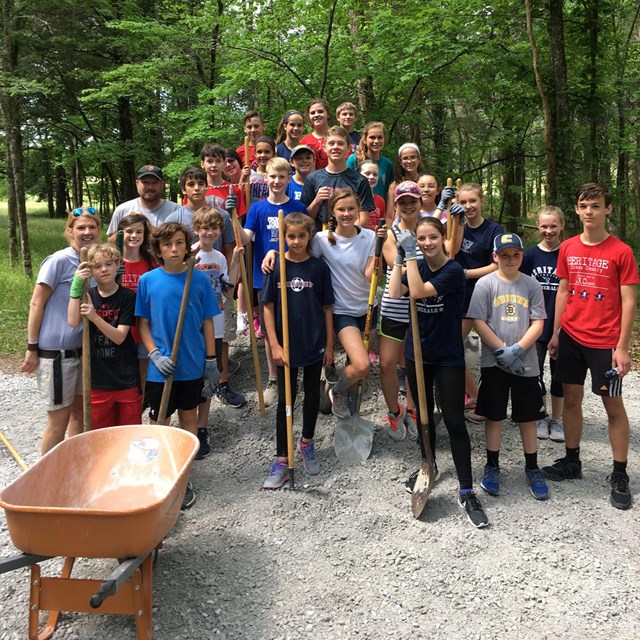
(310, 405)
(556, 387)
(450, 383)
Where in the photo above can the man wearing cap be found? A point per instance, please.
(150, 201)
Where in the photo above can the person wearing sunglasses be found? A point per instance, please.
(54, 349)
(150, 201)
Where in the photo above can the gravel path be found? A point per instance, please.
(342, 557)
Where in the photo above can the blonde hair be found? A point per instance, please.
(551, 210)
(278, 164)
(106, 251)
(472, 186)
(346, 106)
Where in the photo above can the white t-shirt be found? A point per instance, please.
(214, 265)
(347, 261)
(155, 216)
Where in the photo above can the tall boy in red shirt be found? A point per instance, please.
(595, 310)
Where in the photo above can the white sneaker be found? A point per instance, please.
(556, 430)
(542, 428)
(270, 393)
(242, 323)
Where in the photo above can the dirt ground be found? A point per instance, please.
(342, 556)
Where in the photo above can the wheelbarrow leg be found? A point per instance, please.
(34, 603)
(142, 597)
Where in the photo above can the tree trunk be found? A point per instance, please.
(364, 83)
(593, 104)
(12, 220)
(127, 161)
(48, 181)
(61, 192)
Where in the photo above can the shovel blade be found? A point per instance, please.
(353, 439)
(422, 488)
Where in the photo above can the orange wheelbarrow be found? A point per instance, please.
(108, 493)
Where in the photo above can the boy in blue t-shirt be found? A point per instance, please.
(158, 307)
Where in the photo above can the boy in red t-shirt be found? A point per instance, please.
(253, 125)
(595, 310)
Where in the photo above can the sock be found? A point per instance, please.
(493, 458)
(573, 455)
(465, 488)
(619, 467)
(531, 461)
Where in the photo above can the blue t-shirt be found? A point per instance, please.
(542, 266)
(385, 173)
(308, 291)
(477, 250)
(262, 219)
(158, 300)
(294, 190)
(440, 317)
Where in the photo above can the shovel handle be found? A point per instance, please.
(86, 353)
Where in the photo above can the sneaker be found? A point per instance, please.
(227, 396)
(278, 475)
(475, 513)
(401, 372)
(339, 403)
(542, 428)
(189, 497)
(310, 461)
(270, 393)
(537, 485)
(491, 480)
(563, 469)
(373, 357)
(242, 323)
(411, 422)
(397, 429)
(556, 430)
(233, 366)
(411, 480)
(472, 416)
(620, 494)
(469, 402)
(205, 449)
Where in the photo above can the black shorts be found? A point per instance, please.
(575, 359)
(341, 321)
(392, 329)
(185, 395)
(493, 396)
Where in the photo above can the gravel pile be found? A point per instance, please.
(342, 556)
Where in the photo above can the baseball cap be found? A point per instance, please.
(507, 241)
(407, 188)
(301, 147)
(150, 170)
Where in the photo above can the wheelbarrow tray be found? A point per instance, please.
(108, 493)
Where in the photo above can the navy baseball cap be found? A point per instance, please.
(150, 170)
(507, 241)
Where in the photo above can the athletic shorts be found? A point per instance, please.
(493, 396)
(113, 408)
(575, 359)
(342, 321)
(230, 321)
(392, 329)
(59, 378)
(185, 395)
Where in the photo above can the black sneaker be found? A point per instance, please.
(563, 469)
(189, 498)
(475, 514)
(227, 396)
(205, 449)
(620, 494)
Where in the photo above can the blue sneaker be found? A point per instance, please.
(227, 396)
(537, 485)
(491, 480)
(310, 461)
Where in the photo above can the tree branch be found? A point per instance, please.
(325, 69)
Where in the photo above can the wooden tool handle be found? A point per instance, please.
(86, 352)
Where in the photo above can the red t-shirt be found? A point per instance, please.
(217, 196)
(378, 213)
(253, 163)
(132, 273)
(595, 274)
(317, 144)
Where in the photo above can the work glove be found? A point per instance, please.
(517, 367)
(165, 365)
(211, 372)
(231, 203)
(399, 256)
(225, 284)
(446, 195)
(458, 210)
(406, 241)
(506, 356)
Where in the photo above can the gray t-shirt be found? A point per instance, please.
(184, 215)
(155, 216)
(508, 308)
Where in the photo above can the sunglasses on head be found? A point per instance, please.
(82, 210)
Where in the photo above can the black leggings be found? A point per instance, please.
(450, 383)
(310, 405)
(556, 387)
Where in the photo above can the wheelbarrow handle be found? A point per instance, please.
(119, 576)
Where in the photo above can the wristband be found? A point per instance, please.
(465, 274)
(32, 346)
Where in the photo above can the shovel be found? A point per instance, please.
(86, 353)
(427, 473)
(353, 438)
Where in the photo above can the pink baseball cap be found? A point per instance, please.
(407, 188)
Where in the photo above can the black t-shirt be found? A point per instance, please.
(308, 291)
(114, 367)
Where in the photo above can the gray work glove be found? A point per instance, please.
(211, 372)
(165, 365)
(508, 355)
(458, 210)
(406, 242)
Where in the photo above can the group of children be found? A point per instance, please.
(334, 187)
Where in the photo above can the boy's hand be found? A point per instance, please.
(231, 203)
(77, 284)
(508, 355)
(211, 372)
(552, 347)
(269, 262)
(622, 361)
(87, 309)
(458, 210)
(517, 367)
(406, 240)
(277, 355)
(165, 365)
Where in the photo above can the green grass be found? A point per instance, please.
(45, 237)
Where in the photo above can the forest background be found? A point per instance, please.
(528, 98)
